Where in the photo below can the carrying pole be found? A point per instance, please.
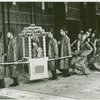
(27, 62)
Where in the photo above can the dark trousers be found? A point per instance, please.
(15, 79)
(2, 83)
(65, 72)
(54, 73)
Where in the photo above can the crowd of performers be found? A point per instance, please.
(83, 54)
(87, 51)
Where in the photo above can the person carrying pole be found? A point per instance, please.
(65, 50)
(12, 56)
(2, 74)
(52, 53)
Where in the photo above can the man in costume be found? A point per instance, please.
(12, 56)
(65, 50)
(52, 53)
(2, 83)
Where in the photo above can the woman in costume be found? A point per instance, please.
(37, 51)
(79, 61)
(76, 44)
(96, 60)
(93, 43)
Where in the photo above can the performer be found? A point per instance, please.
(79, 61)
(98, 45)
(37, 51)
(65, 50)
(93, 42)
(96, 58)
(2, 83)
(52, 53)
(12, 56)
(88, 33)
(76, 44)
(79, 39)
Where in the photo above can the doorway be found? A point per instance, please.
(59, 17)
(73, 28)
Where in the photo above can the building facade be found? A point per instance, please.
(74, 15)
(20, 15)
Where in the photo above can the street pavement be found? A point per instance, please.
(75, 87)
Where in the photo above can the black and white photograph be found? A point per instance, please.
(49, 50)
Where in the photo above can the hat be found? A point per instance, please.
(35, 39)
(51, 30)
(63, 28)
(12, 29)
(89, 29)
(82, 32)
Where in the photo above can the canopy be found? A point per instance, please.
(33, 30)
